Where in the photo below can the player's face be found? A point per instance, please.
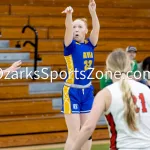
(131, 55)
(79, 30)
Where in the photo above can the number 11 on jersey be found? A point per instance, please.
(142, 99)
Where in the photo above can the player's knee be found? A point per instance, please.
(73, 134)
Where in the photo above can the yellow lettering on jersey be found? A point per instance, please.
(84, 55)
(89, 55)
(88, 64)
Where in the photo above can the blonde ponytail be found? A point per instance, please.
(119, 61)
(130, 107)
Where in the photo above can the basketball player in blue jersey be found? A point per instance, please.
(79, 56)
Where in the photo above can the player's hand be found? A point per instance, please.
(92, 6)
(15, 66)
(68, 10)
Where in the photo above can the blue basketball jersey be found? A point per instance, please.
(79, 58)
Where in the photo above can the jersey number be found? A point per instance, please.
(88, 64)
(141, 97)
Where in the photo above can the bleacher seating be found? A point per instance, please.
(30, 118)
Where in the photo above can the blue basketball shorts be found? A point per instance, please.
(76, 101)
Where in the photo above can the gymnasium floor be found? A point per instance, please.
(97, 145)
(94, 147)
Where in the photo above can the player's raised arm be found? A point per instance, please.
(69, 27)
(95, 23)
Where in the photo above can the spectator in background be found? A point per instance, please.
(131, 52)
